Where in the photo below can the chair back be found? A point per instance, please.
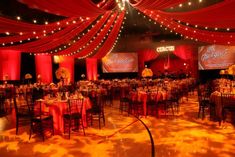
(21, 106)
(124, 91)
(2, 98)
(203, 94)
(98, 104)
(152, 96)
(2, 101)
(228, 100)
(37, 94)
(75, 105)
(9, 93)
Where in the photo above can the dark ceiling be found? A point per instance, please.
(134, 23)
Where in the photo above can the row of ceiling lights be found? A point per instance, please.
(168, 27)
(189, 4)
(98, 46)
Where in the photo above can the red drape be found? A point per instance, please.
(88, 37)
(156, 4)
(176, 64)
(109, 43)
(51, 41)
(91, 68)
(10, 64)
(44, 67)
(145, 55)
(66, 7)
(184, 51)
(68, 62)
(98, 39)
(13, 26)
(188, 54)
(209, 36)
(220, 15)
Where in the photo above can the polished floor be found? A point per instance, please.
(182, 135)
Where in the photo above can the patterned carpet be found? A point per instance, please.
(182, 135)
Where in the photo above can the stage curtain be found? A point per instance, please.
(44, 67)
(68, 62)
(10, 64)
(91, 68)
(176, 64)
(188, 55)
(144, 56)
(184, 52)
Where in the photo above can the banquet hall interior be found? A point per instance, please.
(117, 78)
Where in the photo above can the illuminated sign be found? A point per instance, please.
(165, 48)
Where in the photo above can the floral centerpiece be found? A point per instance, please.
(5, 77)
(147, 72)
(231, 70)
(222, 72)
(62, 74)
(83, 76)
(28, 77)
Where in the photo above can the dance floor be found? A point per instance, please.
(182, 135)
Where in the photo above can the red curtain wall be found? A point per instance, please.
(10, 64)
(185, 53)
(176, 64)
(44, 68)
(145, 55)
(91, 68)
(68, 63)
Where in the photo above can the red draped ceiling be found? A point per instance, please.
(90, 30)
(220, 15)
(211, 24)
(156, 4)
(66, 8)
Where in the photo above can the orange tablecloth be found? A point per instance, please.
(59, 107)
(216, 98)
(142, 97)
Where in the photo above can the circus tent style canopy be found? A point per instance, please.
(91, 28)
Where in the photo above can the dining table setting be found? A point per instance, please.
(58, 106)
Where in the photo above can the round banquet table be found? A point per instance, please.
(57, 108)
(142, 96)
(216, 98)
